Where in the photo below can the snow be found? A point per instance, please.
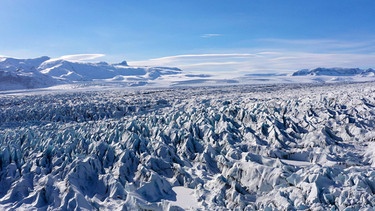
(296, 162)
(333, 71)
(245, 147)
(46, 72)
(185, 198)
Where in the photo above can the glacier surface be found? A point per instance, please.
(267, 147)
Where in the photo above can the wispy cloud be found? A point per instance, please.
(200, 62)
(276, 55)
(204, 56)
(80, 57)
(211, 35)
(262, 61)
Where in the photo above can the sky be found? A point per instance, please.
(201, 36)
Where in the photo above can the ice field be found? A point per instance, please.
(246, 147)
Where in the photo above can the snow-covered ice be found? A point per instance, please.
(185, 198)
(250, 147)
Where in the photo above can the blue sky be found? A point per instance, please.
(221, 35)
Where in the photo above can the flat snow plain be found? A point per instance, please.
(250, 147)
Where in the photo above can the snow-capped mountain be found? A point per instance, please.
(23, 74)
(44, 71)
(78, 71)
(334, 72)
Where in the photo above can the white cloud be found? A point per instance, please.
(211, 35)
(202, 63)
(262, 61)
(80, 57)
(206, 56)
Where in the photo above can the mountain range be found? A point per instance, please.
(46, 72)
(335, 72)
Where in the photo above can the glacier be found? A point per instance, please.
(242, 147)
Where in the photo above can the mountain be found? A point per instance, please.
(44, 72)
(78, 71)
(23, 74)
(334, 72)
